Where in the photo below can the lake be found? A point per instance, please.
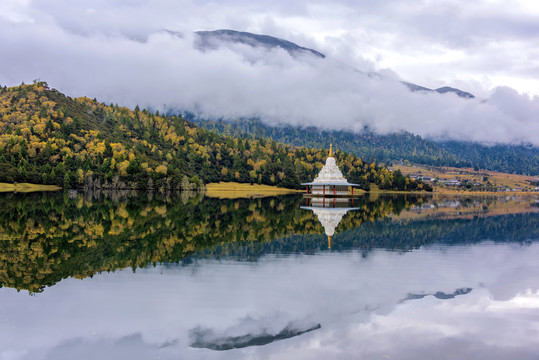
(123, 275)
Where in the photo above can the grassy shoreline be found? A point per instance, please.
(227, 190)
(234, 190)
(230, 190)
(27, 187)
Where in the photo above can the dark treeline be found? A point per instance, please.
(49, 138)
(392, 148)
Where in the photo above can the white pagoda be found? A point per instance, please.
(330, 181)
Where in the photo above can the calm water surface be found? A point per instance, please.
(127, 276)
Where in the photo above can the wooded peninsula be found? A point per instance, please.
(49, 138)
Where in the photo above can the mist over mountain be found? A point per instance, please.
(278, 83)
(211, 40)
(375, 102)
(442, 90)
(391, 147)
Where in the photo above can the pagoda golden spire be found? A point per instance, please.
(330, 150)
(329, 242)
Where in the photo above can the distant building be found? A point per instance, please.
(330, 181)
(452, 182)
(427, 178)
(421, 177)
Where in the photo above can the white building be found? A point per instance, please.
(330, 181)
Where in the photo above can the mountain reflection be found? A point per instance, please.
(49, 237)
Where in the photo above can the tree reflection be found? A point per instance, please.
(49, 237)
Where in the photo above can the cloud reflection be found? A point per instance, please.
(357, 301)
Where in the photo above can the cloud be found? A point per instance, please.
(118, 52)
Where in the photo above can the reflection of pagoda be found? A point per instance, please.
(329, 212)
(330, 181)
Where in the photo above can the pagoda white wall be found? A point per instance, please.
(319, 190)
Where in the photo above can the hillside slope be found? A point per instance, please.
(49, 138)
(392, 148)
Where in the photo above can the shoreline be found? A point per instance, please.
(485, 193)
(231, 190)
(26, 187)
(234, 190)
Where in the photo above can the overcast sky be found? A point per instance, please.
(117, 51)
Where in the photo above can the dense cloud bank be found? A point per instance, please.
(144, 65)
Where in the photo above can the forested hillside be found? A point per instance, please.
(392, 148)
(504, 158)
(49, 138)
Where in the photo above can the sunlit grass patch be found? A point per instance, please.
(232, 190)
(27, 187)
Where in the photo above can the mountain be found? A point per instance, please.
(47, 137)
(460, 93)
(388, 148)
(442, 90)
(391, 148)
(213, 39)
(208, 40)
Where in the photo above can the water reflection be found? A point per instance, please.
(408, 277)
(330, 212)
(363, 306)
(49, 237)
